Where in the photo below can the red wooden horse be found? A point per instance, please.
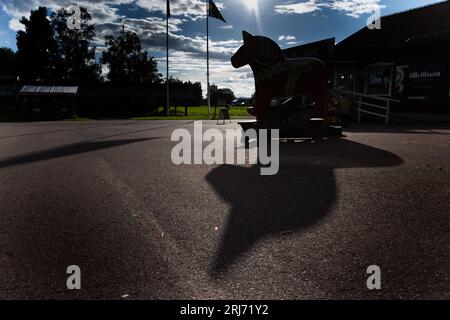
(277, 77)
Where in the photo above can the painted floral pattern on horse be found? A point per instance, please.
(276, 76)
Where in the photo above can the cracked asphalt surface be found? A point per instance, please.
(104, 195)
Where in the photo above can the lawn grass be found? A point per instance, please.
(194, 113)
(79, 119)
(198, 113)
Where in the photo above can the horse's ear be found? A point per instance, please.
(246, 36)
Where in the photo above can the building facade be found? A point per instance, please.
(408, 59)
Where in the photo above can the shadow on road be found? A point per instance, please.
(93, 127)
(298, 197)
(419, 128)
(67, 150)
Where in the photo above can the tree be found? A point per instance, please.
(127, 62)
(36, 48)
(222, 94)
(76, 55)
(8, 63)
(196, 89)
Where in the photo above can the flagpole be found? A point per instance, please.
(207, 58)
(167, 60)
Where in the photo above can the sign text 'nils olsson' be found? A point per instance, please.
(189, 149)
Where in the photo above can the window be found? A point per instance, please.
(345, 79)
(378, 80)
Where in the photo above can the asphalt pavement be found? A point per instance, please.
(105, 196)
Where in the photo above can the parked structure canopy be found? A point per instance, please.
(48, 90)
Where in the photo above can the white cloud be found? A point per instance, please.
(193, 9)
(227, 27)
(286, 38)
(352, 8)
(300, 8)
(101, 11)
(15, 25)
(187, 8)
(222, 74)
(355, 8)
(187, 53)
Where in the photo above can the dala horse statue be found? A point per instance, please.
(277, 77)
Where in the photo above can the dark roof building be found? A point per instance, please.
(322, 49)
(400, 34)
(408, 59)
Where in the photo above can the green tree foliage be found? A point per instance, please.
(221, 94)
(36, 48)
(127, 62)
(8, 61)
(195, 88)
(76, 63)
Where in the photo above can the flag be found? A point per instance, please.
(168, 8)
(214, 11)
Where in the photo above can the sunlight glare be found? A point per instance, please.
(251, 4)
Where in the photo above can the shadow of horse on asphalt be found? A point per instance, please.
(299, 196)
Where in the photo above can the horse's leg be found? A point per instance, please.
(262, 102)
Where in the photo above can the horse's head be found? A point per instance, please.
(257, 51)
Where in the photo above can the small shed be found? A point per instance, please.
(50, 100)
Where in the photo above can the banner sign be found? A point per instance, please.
(422, 82)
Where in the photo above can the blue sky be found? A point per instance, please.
(290, 23)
